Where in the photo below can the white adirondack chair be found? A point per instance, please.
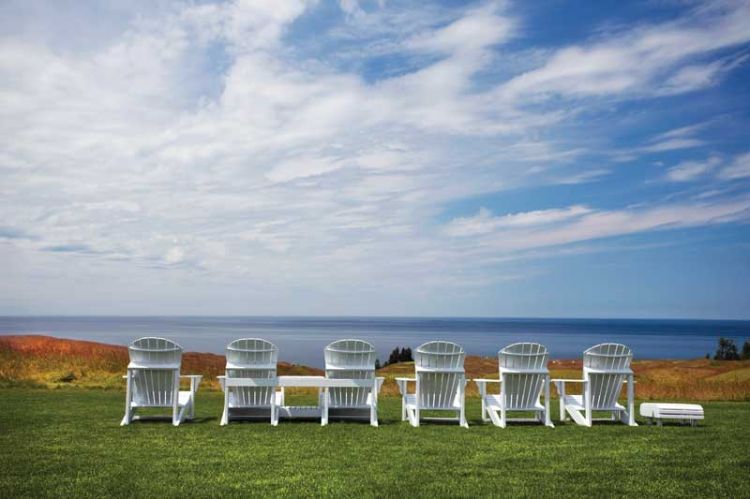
(440, 383)
(605, 368)
(153, 380)
(523, 377)
(254, 361)
(352, 359)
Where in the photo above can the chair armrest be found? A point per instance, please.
(402, 384)
(195, 380)
(482, 384)
(380, 381)
(560, 384)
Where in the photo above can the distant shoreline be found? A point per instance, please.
(302, 339)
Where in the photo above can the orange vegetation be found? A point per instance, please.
(51, 362)
(46, 361)
(700, 379)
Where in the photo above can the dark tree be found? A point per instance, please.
(394, 357)
(746, 350)
(377, 363)
(727, 350)
(402, 354)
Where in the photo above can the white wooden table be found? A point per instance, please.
(323, 384)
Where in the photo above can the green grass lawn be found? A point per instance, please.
(69, 443)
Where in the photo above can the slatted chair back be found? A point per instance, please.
(155, 366)
(523, 367)
(605, 386)
(349, 359)
(251, 358)
(439, 368)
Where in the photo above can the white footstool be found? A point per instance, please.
(689, 413)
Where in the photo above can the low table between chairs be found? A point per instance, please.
(322, 383)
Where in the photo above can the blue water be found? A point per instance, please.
(302, 339)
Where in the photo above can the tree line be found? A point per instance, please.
(727, 350)
(402, 354)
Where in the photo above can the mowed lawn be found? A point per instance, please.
(69, 443)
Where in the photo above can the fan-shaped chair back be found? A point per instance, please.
(251, 358)
(523, 367)
(349, 359)
(155, 364)
(439, 368)
(605, 367)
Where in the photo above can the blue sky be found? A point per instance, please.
(548, 159)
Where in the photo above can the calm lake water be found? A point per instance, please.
(302, 339)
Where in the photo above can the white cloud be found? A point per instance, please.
(484, 222)
(174, 255)
(739, 168)
(578, 224)
(475, 31)
(690, 170)
(303, 167)
(583, 177)
(646, 59)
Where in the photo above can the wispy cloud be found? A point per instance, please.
(484, 223)
(739, 168)
(643, 60)
(690, 170)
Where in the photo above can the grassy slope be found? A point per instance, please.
(68, 443)
(44, 361)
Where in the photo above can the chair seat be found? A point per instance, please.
(234, 403)
(494, 402)
(183, 398)
(411, 403)
(366, 405)
(575, 402)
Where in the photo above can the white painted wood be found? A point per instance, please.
(249, 383)
(659, 411)
(606, 368)
(153, 380)
(351, 360)
(523, 379)
(323, 384)
(440, 383)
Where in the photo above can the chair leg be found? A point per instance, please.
(324, 408)
(547, 415)
(462, 417)
(374, 403)
(128, 416)
(128, 406)
(561, 393)
(225, 413)
(176, 400)
(631, 401)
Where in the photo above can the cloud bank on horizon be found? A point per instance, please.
(375, 157)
